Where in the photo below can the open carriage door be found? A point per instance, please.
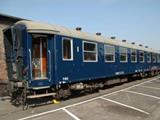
(40, 60)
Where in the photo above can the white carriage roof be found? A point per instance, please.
(37, 27)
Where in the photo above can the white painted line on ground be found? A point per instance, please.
(128, 106)
(83, 102)
(130, 87)
(156, 81)
(71, 114)
(156, 88)
(108, 94)
(40, 114)
(143, 94)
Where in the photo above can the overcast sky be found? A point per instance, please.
(134, 20)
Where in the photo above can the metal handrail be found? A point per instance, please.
(49, 56)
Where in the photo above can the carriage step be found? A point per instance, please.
(41, 95)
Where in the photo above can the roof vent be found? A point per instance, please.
(133, 43)
(78, 28)
(113, 37)
(146, 46)
(98, 34)
(140, 45)
(124, 40)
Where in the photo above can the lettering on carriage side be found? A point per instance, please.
(65, 78)
(119, 73)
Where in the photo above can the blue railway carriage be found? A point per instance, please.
(50, 60)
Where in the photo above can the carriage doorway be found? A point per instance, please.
(39, 57)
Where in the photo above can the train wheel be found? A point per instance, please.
(63, 92)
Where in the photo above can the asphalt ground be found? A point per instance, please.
(137, 100)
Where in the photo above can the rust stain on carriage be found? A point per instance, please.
(3, 66)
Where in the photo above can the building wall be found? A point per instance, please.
(3, 66)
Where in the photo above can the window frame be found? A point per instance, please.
(132, 55)
(141, 56)
(96, 51)
(150, 57)
(105, 53)
(158, 58)
(154, 56)
(71, 42)
(121, 53)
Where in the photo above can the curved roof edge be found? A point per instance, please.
(38, 27)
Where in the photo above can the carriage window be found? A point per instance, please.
(149, 57)
(109, 52)
(67, 49)
(154, 58)
(158, 58)
(141, 57)
(133, 55)
(89, 52)
(123, 54)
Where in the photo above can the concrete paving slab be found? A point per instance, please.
(148, 91)
(152, 84)
(104, 110)
(7, 108)
(155, 115)
(144, 103)
(58, 115)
